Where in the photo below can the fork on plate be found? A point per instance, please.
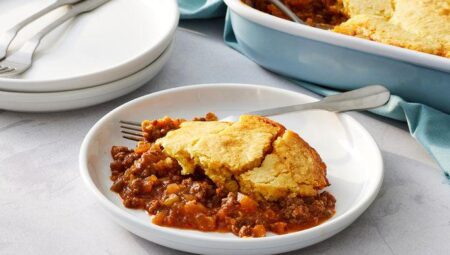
(19, 61)
(359, 99)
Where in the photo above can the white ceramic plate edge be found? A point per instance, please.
(372, 47)
(74, 99)
(185, 242)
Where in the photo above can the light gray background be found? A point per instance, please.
(46, 209)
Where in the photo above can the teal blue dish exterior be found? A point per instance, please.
(339, 67)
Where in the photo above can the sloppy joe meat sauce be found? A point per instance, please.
(319, 13)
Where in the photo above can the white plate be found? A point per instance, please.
(107, 44)
(67, 100)
(355, 167)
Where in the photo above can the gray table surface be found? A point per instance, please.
(46, 209)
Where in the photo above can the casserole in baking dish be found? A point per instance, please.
(336, 60)
(414, 24)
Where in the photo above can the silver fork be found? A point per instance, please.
(359, 99)
(7, 37)
(280, 5)
(22, 59)
(288, 12)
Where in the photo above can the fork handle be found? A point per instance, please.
(11, 33)
(85, 6)
(41, 13)
(280, 5)
(359, 99)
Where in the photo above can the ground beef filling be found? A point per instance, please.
(148, 179)
(318, 13)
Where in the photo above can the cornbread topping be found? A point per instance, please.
(421, 25)
(246, 177)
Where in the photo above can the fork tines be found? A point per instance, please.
(132, 130)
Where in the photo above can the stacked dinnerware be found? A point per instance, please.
(90, 59)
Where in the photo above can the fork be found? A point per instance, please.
(359, 99)
(282, 7)
(10, 34)
(22, 59)
(290, 14)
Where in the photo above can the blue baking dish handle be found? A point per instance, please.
(228, 34)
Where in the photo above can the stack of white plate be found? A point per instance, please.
(94, 58)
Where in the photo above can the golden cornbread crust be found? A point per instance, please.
(293, 168)
(255, 155)
(180, 143)
(421, 25)
(221, 149)
(239, 147)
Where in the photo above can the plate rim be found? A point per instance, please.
(352, 213)
(93, 79)
(58, 97)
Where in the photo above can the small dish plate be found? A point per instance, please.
(75, 99)
(355, 166)
(107, 44)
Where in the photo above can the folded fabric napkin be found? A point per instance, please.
(428, 125)
(201, 9)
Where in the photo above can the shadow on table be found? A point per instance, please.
(212, 28)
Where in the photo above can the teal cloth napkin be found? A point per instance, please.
(428, 125)
(201, 9)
